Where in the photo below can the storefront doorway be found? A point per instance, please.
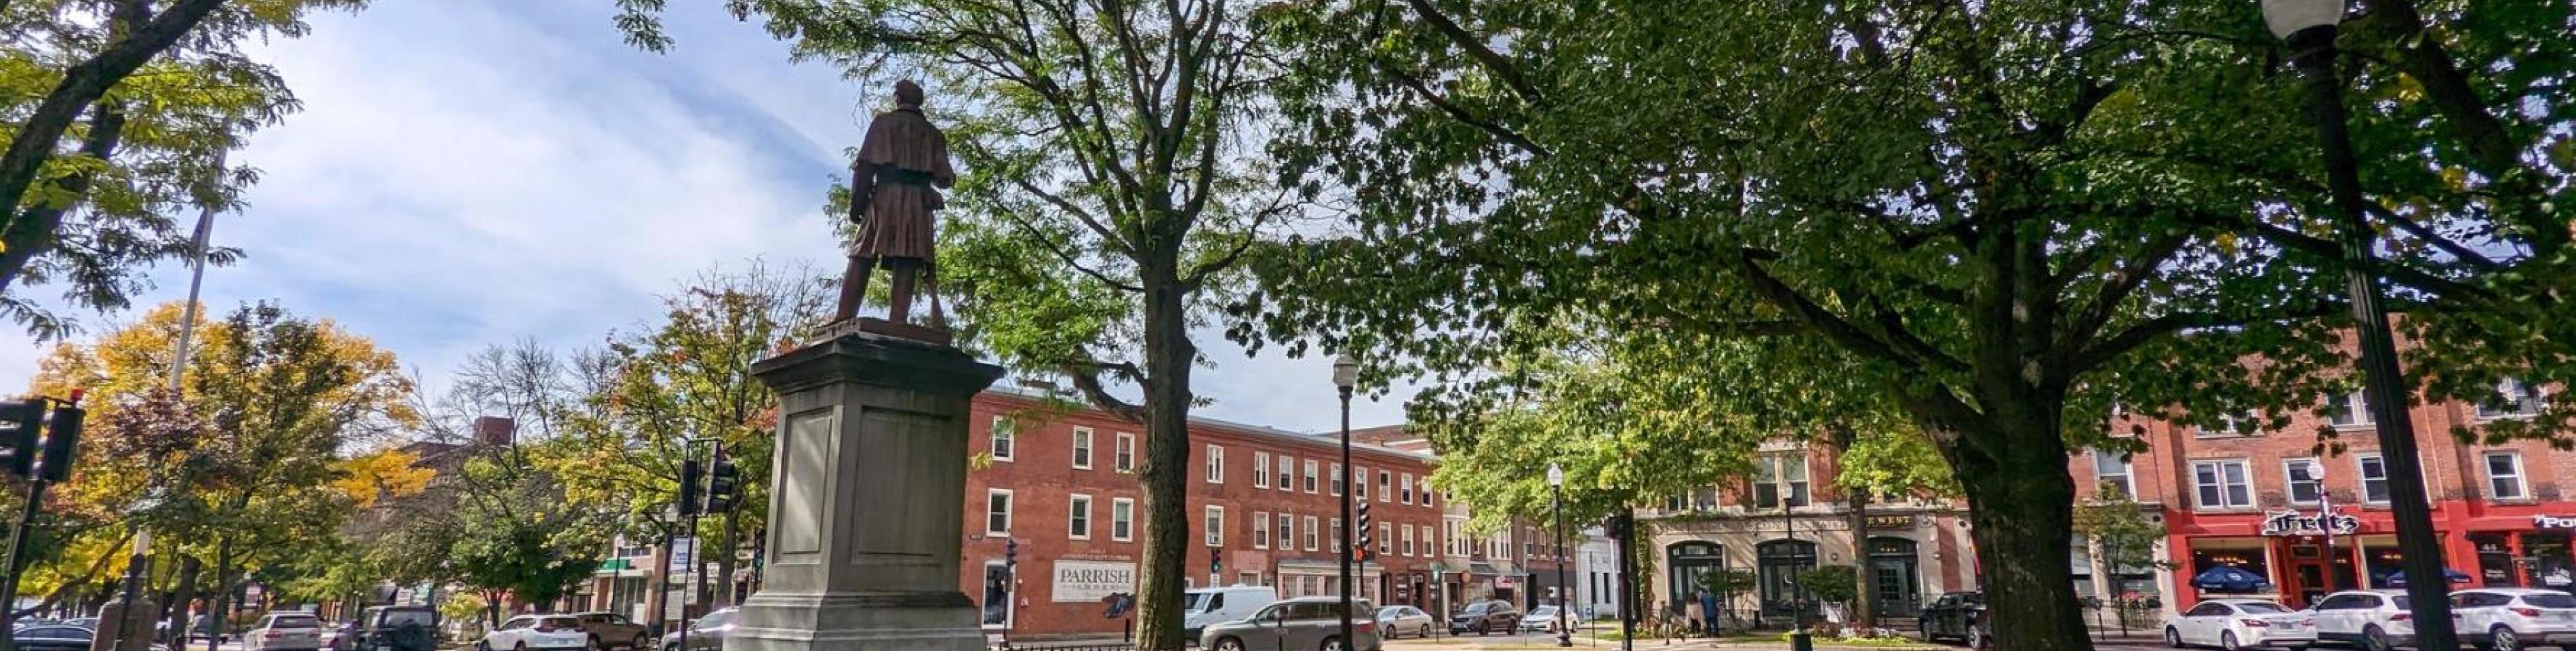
(1689, 563)
(1895, 576)
(1781, 561)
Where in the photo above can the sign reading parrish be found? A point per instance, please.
(2294, 523)
(1091, 581)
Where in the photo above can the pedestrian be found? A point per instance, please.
(1708, 604)
(1697, 616)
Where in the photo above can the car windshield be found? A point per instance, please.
(396, 618)
(295, 621)
(1477, 608)
(2550, 600)
(552, 624)
(2259, 608)
(717, 618)
(1195, 601)
(1543, 611)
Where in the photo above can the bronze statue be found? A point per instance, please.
(894, 188)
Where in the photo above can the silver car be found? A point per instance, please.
(287, 630)
(1395, 622)
(1299, 624)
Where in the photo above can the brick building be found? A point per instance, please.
(2254, 502)
(1263, 507)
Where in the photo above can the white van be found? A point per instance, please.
(1203, 606)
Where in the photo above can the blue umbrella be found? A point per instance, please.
(2228, 578)
(2397, 579)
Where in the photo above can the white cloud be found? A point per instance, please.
(472, 172)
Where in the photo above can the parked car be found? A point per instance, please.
(203, 628)
(1542, 618)
(336, 637)
(531, 632)
(394, 628)
(2239, 623)
(1957, 615)
(1395, 621)
(611, 630)
(53, 637)
(2375, 620)
(708, 633)
(1205, 606)
(1301, 623)
(2511, 618)
(1484, 618)
(282, 631)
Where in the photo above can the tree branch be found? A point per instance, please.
(1492, 61)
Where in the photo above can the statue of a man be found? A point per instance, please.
(894, 187)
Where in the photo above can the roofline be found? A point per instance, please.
(1273, 433)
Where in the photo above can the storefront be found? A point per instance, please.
(1687, 564)
(1780, 562)
(1895, 575)
(2537, 557)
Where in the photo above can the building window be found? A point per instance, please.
(1260, 530)
(1777, 476)
(1335, 480)
(1404, 490)
(1385, 538)
(1385, 486)
(1082, 448)
(1408, 540)
(1077, 518)
(1287, 468)
(2305, 487)
(2222, 484)
(1216, 464)
(1215, 526)
(1426, 490)
(1314, 534)
(1337, 535)
(2374, 478)
(1311, 473)
(1287, 531)
(1122, 519)
(1359, 482)
(2513, 399)
(2244, 423)
(2504, 476)
(2349, 410)
(1005, 438)
(1260, 469)
(2111, 475)
(1126, 452)
(997, 511)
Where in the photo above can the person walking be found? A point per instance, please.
(1708, 605)
(1696, 615)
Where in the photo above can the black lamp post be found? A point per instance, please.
(1556, 502)
(1346, 374)
(2309, 28)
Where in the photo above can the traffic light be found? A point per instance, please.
(724, 483)
(20, 420)
(62, 443)
(1361, 549)
(690, 497)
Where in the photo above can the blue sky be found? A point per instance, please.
(472, 172)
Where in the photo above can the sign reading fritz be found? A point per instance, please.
(2294, 523)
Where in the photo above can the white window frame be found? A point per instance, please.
(2290, 469)
(1287, 473)
(1314, 533)
(1082, 438)
(2243, 483)
(1333, 482)
(2227, 426)
(1215, 522)
(1408, 539)
(1077, 517)
(1359, 482)
(1385, 538)
(1404, 489)
(2361, 464)
(2525, 400)
(1003, 442)
(1261, 461)
(1314, 470)
(1385, 486)
(1260, 529)
(1122, 519)
(2521, 487)
(1009, 504)
(1215, 464)
(1287, 538)
(2127, 477)
(1126, 454)
(2353, 407)
(1336, 544)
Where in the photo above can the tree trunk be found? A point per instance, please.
(175, 609)
(1865, 607)
(1166, 468)
(2021, 511)
(725, 559)
(219, 605)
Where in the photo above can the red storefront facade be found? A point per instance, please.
(2257, 502)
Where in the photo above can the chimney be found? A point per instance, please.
(494, 431)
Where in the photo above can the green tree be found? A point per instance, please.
(1996, 217)
(1114, 178)
(120, 113)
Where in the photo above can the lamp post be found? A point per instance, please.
(1346, 374)
(1556, 502)
(2308, 26)
(2325, 521)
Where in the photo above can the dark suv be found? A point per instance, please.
(1960, 615)
(1485, 617)
(395, 628)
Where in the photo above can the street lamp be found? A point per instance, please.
(1346, 374)
(2325, 519)
(2308, 26)
(1556, 502)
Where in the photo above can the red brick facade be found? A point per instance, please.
(1064, 568)
(2228, 499)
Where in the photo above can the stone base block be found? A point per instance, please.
(858, 622)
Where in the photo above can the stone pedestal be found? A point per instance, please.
(867, 499)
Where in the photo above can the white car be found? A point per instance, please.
(2374, 620)
(1542, 618)
(286, 630)
(2239, 623)
(1398, 621)
(2513, 617)
(531, 632)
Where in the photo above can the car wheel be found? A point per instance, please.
(1229, 644)
(2228, 641)
(1977, 637)
(2374, 639)
(2503, 639)
(2173, 638)
(1330, 644)
(1425, 632)
(522, 646)
(637, 644)
(1924, 624)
